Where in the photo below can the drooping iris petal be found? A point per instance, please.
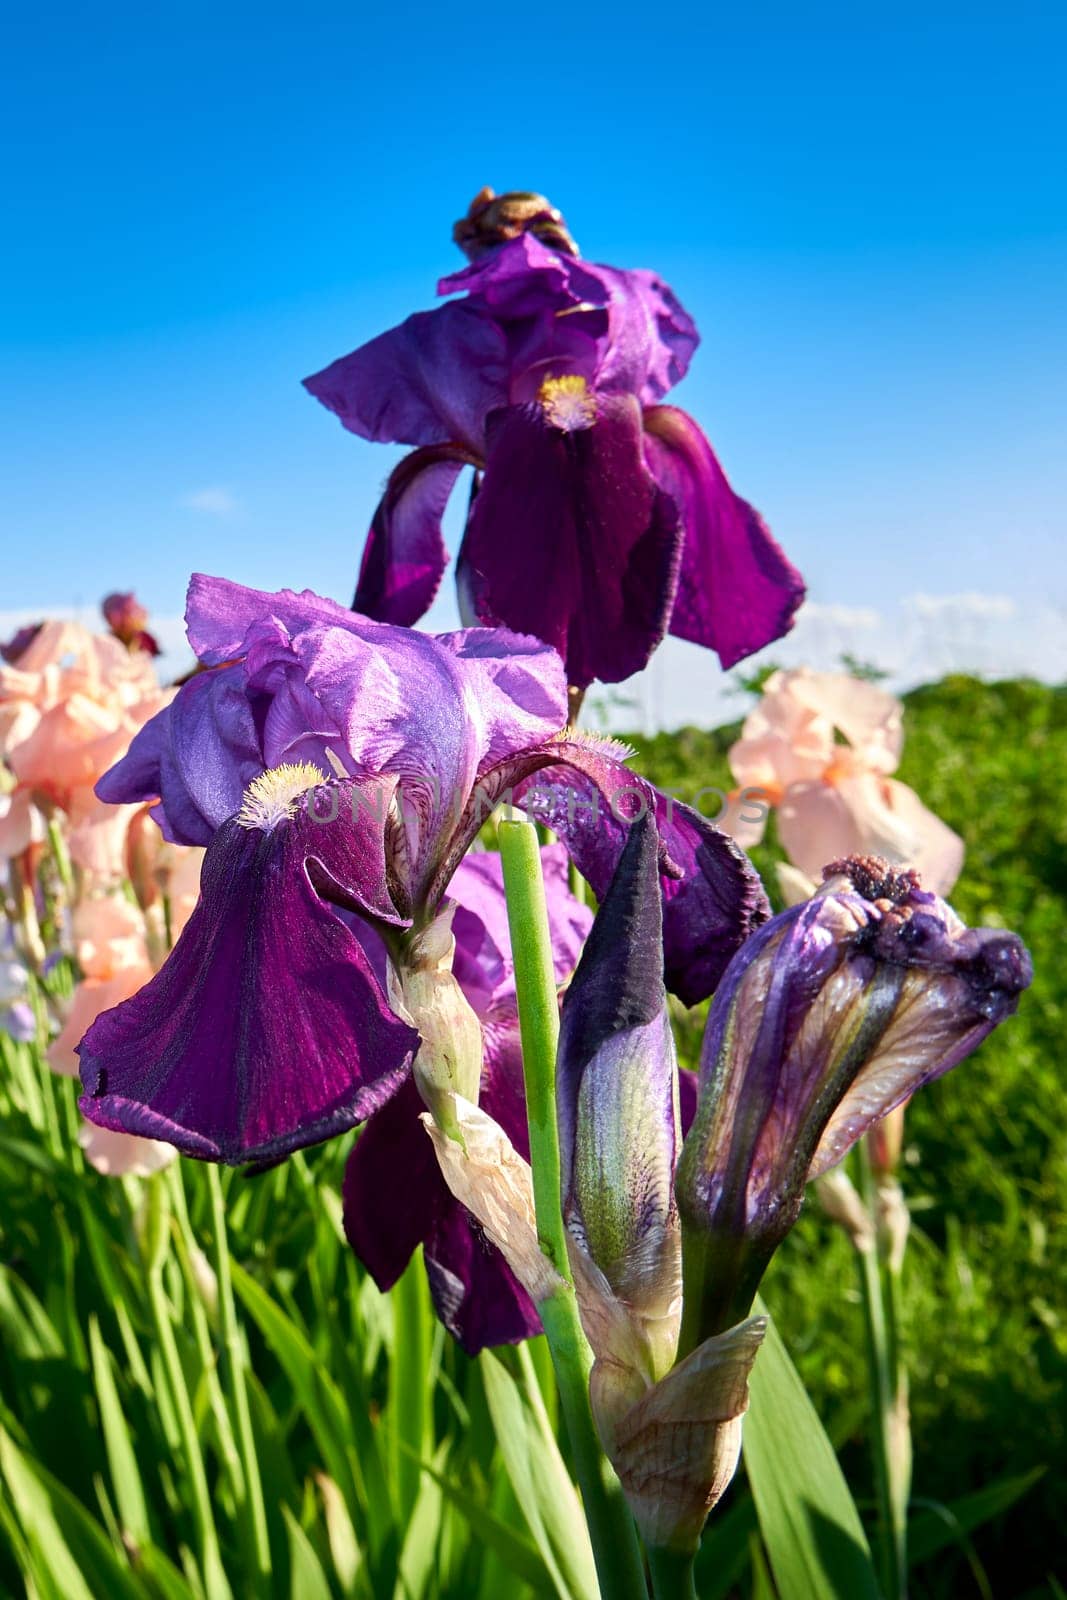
(405, 557)
(395, 1198)
(266, 1028)
(432, 380)
(737, 591)
(712, 898)
(617, 1102)
(590, 559)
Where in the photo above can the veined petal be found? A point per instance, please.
(570, 539)
(712, 898)
(737, 591)
(433, 379)
(617, 1100)
(405, 556)
(266, 1029)
(832, 1014)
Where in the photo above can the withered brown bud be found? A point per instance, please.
(493, 219)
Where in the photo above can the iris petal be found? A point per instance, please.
(266, 1028)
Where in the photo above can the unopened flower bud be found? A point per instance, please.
(617, 1094)
(828, 1017)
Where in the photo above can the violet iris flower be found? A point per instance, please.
(832, 1013)
(395, 1196)
(601, 518)
(338, 769)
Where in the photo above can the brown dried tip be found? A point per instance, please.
(874, 878)
(493, 219)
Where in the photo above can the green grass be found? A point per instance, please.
(369, 1489)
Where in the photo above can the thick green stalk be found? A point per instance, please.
(672, 1575)
(892, 1511)
(253, 1508)
(611, 1530)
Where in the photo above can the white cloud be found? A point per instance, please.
(970, 604)
(214, 500)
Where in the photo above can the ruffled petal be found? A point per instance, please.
(570, 539)
(199, 753)
(579, 787)
(405, 557)
(266, 1029)
(737, 591)
(432, 380)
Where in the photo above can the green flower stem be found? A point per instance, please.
(611, 1530)
(254, 1508)
(892, 1512)
(672, 1575)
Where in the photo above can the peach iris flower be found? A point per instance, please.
(69, 706)
(111, 944)
(822, 746)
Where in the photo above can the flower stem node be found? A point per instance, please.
(423, 989)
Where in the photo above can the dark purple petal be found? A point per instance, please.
(569, 539)
(475, 1293)
(651, 338)
(712, 898)
(432, 380)
(525, 277)
(393, 1188)
(266, 1028)
(405, 556)
(644, 341)
(737, 591)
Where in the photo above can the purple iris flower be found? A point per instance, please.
(338, 770)
(395, 1196)
(601, 518)
(832, 1013)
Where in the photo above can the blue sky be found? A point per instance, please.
(865, 216)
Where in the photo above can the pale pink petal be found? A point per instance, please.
(92, 997)
(109, 936)
(745, 816)
(869, 718)
(118, 1155)
(815, 826)
(97, 839)
(935, 851)
(21, 824)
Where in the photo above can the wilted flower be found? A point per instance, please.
(395, 1196)
(340, 768)
(832, 1014)
(820, 746)
(128, 621)
(601, 519)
